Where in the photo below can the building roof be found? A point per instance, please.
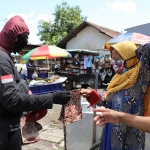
(111, 33)
(28, 47)
(141, 25)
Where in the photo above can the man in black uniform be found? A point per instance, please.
(13, 38)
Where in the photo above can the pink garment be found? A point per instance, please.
(72, 111)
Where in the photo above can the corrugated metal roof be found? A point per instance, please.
(111, 33)
(83, 51)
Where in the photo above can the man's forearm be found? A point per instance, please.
(139, 122)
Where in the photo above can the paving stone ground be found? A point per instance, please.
(52, 135)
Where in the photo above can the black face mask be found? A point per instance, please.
(21, 42)
(125, 63)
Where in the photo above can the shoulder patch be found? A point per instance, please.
(6, 78)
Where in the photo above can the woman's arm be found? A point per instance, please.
(85, 92)
(111, 116)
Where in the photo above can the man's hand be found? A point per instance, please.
(61, 97)
(106, 116)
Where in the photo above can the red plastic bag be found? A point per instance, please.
(34, 116)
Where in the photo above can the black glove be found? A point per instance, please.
(61, 97)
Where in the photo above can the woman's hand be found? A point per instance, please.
(106, 116)
(85, 92)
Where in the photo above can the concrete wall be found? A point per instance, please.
(144, 29)
(88, 38)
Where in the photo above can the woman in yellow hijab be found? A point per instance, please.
(126, 93)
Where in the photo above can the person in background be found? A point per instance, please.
(89, 65)
(57, 69)
(76, 61)
(127, 92)
(14, 97)
(13, 58)
(31, 68)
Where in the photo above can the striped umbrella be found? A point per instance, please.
(46, 52)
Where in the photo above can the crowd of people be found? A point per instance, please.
(126, 100)
(27, 71)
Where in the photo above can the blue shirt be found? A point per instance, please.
(88, 62)
(30, 71)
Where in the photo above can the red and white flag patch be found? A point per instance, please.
(6, 79)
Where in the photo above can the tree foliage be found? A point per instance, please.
(66, 19)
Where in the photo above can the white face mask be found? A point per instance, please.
(30, 64)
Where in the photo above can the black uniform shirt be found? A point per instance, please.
(12, 102)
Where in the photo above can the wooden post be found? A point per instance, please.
(64, 127)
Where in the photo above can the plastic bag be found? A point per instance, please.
(29, 132)
(36, 115)
(34, 76)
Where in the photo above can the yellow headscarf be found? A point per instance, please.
(126, 80)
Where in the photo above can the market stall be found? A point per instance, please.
(47, 85)
(79, 68)
(46, 81)
(104, 67)
(82, 66)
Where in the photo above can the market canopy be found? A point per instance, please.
(137, 38)
(86, 51)
(46, 52)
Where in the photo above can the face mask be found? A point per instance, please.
(21, 42)
(125, 63)
(118, 66)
